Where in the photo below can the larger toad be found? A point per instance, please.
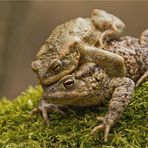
(91, 85)
(78, 41)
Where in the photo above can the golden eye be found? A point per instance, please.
(68, 84)
(57, 66)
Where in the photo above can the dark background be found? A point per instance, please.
(24, 27)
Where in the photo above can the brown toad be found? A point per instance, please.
(72, 44)
(91, 85)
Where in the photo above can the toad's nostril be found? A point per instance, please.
(52, 89)
(45, 75)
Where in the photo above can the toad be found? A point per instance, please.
(78, 41)
(91, 85)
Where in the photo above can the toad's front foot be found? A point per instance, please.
(106, 126)
(45, 108)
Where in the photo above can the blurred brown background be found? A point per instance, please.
(24, 26)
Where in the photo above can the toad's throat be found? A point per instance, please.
(75, 100)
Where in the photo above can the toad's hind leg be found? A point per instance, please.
(124, 88)
(110, 26)
(142, 79)
(106, 35)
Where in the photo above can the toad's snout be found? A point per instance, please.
(49, 92)
(50, 89)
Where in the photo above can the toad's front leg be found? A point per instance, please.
(44, 107)
(121, 97)
(112, 63)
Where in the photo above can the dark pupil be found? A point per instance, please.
(69, 83)
(56, 67)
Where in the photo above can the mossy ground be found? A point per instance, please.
(19, 129)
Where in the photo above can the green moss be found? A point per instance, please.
(19, 129)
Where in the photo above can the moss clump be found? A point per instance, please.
(19, 129)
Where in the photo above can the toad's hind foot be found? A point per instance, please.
(45, 108)
(142, 79)
(105, 37)
(106, 126)
(144, 37)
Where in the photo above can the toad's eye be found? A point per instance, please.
(56, 66)
(69, 83)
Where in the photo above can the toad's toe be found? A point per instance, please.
(97, 129)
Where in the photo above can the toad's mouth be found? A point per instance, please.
(65, 98)
(52, 79)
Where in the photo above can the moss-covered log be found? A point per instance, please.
(19, 129)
